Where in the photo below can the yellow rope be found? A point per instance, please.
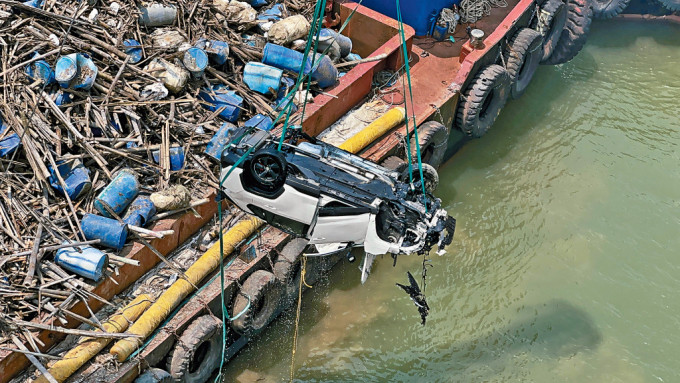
(297, 315)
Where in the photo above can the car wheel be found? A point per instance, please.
(268, 169)
(429, 173)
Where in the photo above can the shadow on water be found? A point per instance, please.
(555, 329)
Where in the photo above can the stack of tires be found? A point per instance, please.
(557, 33)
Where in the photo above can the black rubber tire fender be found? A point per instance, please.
(483, 100)
(429, 173)
(198, 351)
(276, 159)
(432, 138)
(155, 375)
(606, 9)
(288, 269)
(264, 291)
(575, 33)
(523, 54)
(394, 163)
(550, 23)
(673, 5)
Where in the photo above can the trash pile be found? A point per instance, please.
(113, 115)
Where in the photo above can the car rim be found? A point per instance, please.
(267, 169)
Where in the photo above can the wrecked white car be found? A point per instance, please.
(326, 195)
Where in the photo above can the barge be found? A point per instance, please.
(459, 87)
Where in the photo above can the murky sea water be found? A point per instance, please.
(566, 262)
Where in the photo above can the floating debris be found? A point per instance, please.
(105, 105)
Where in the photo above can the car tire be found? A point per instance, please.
(673, 5)
(606, 9)
(288, 269)
(267, 168)
(432, 138)
(197, 352)
(554, 13)
(429, 173)
(575, 33)
(264, 291)
(483, 100)
(524, 55)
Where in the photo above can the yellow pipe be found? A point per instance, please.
(375, 130)
(90, 347)
(179, 290)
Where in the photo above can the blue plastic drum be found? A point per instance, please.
(140, 211)
(76, 178)
(85, 261)
(221, 97)
(110, 232)
(118, 194)
(195, 60)
(262, 78)
(220, 140)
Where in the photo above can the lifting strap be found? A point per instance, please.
(407, 67)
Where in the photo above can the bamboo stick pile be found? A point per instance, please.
(127, 119)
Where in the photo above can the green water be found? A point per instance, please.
(566, 262)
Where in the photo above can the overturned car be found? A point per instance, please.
(314, 190)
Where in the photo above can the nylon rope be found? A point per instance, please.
(297, 315)
(407, 66)
(314, 30)
(318, 19)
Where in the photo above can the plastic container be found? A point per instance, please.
(324, 72)
(328, 36)
(76, 178)
(62, 98)
(195, 60)
(262, 78)
(118, 194)
(173, 77)
(287, 85)
(439, 32)
(218, 51)
(220, 96)
(220, 140)
(259, 121)
(85, 261)
(10, 143)
(257, 3)
(420, 15)
(140, 211)
(34, 3)
(267, 18)
(40, 70)
(176, 158)
(284, 58)
(133, 49)
(75, 71)
(156, 15)
(110, 232)
(274, 13)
